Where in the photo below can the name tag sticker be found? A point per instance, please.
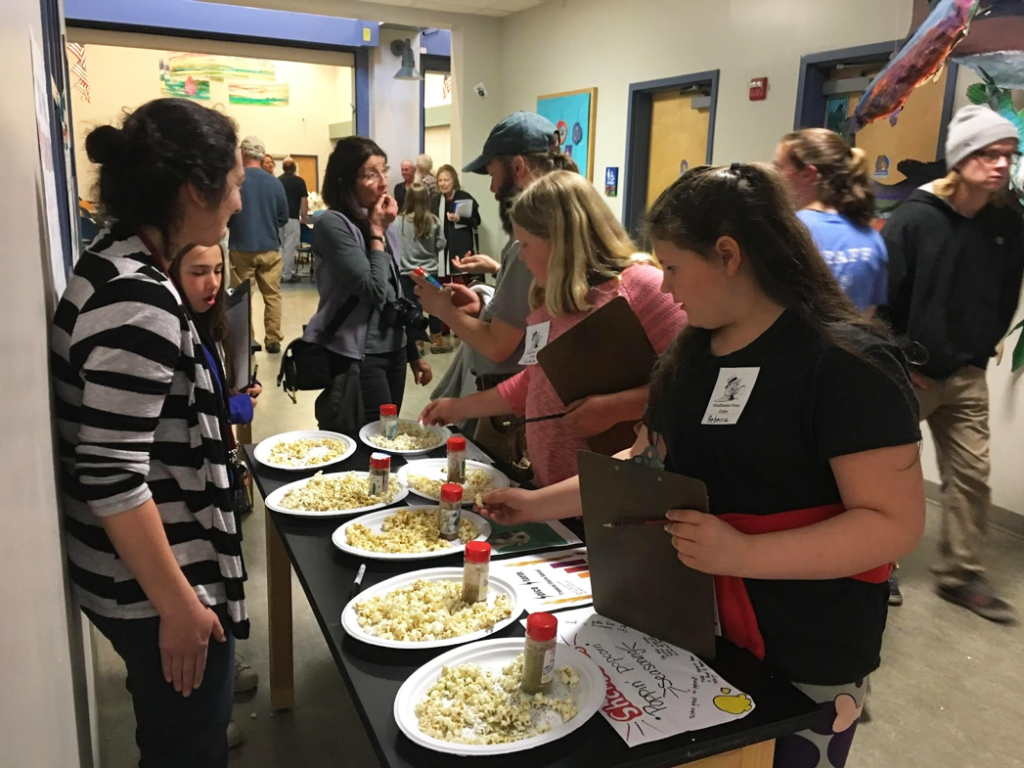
(730, 395)
(536, 340)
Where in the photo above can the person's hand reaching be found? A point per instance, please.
(510, 506)
(476, 264)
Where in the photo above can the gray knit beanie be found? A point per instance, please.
(972, 128)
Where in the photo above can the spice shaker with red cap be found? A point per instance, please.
(451, 511)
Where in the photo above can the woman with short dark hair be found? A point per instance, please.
(153, 540)
(363, 314)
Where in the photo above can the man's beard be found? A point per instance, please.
(506, 199)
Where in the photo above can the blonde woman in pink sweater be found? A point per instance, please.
(581, 258)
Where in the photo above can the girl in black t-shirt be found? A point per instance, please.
(798, 415)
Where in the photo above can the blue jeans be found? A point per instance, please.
(170, 730)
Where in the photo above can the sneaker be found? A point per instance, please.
(235, 737)
(895, 595)
(246, 678)
(977, 595)
(294, 279)
(273, 347)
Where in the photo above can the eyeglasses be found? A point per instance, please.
(993, 156)
(381, 174)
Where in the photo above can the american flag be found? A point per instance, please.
(77, 60)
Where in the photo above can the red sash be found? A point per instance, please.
(735, 612)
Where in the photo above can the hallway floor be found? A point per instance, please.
(947, 696)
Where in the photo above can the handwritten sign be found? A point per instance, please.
(654, 690)
(549, 581)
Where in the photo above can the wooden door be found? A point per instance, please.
(915, 135)
(308, 167)
(679, 135)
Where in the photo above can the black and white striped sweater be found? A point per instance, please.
(137, 418)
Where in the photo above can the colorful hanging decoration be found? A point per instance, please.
(918, 61)
(76, 52)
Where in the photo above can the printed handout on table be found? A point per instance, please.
(549, 581)
(654, 690)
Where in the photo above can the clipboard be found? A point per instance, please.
(625, 361)
(635, 574)
(238, 316)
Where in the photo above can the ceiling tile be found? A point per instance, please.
(515, 5)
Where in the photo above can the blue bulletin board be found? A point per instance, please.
(574, 114)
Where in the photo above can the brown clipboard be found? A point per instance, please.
(635, 574)
(606, 352)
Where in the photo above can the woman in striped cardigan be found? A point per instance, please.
(152, 539)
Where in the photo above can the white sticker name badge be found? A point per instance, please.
(536, 340)
(730, 395)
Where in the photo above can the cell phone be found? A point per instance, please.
(421, 272)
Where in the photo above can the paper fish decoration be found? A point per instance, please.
(917, 61)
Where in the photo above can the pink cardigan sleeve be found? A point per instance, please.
(659, 314)
(513, 391)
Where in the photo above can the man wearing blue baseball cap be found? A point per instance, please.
(519, 149)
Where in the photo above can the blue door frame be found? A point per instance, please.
(183, 18)
(638, 138)
(814, 72)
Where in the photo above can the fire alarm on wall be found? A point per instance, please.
(758, 89)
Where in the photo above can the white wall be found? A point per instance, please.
(394, 104)
(123, 76)
(41, 669)
(564, 45)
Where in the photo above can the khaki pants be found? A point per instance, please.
(264, 267)
(956, 410)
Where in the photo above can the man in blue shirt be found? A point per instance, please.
(255, 246)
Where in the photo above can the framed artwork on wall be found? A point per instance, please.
(574, 113)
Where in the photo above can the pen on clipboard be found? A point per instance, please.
(255, 370)
(549, 417)
(421, 272)
(637, 523)
(357, 584)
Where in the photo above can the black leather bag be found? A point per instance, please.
(305, 364)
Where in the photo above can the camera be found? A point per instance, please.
(407, 314)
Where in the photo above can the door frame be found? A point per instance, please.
(429, 63)
(814, 70)
(638, 137)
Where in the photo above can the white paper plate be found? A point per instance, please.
(273, 501)
(493, 655)
(432, 469)
(498, 586)
(262, 451)
(375, 520)
(373, 428)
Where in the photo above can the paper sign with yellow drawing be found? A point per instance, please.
(653, 689)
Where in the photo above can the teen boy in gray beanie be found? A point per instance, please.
(956, 258)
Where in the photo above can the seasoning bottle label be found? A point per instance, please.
(389, 428)
(548, 672)
(456, 470)
(379, 482)
(450, 520)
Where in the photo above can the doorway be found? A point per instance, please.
(436, 108)
(832, 83)
(670, 128)
(308, 168)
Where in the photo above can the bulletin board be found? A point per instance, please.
(574, 114)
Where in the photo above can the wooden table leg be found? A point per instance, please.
(755, 756)
(279, 605)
